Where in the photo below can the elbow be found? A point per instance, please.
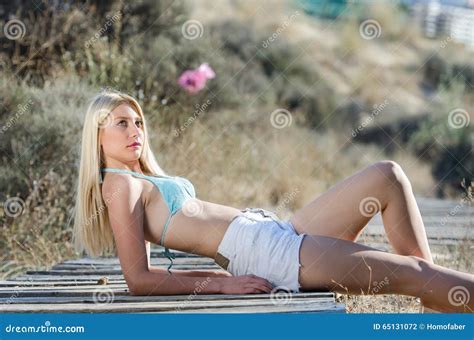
(136, 285)
(145, 283)
(134, 289)
(135, 292)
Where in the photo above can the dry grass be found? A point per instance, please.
(39, 237)
(240, 159)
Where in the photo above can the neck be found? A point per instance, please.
(135, 167)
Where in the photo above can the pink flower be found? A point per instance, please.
(194, 81)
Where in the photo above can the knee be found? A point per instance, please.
(391, 173)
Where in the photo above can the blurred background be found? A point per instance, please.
(305, 93)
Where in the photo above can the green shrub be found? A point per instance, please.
(438, 71)
(446, 141)
(39, 132)
(75, 32)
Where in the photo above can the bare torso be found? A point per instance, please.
(199, 234)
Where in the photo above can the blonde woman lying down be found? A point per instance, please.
(135, 202)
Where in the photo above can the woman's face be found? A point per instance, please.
(124, 127)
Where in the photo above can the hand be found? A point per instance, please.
(245, 284)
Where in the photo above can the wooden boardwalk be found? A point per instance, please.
(74, 286)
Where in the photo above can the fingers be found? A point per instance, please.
(260, 284)
(267, 285)
(263, 281)
(256, 289)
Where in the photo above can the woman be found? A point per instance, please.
(125, 200)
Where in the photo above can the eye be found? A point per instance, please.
(139, 123)
(122, 121)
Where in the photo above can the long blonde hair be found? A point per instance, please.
(92, 231)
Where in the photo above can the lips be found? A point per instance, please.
(134, 144)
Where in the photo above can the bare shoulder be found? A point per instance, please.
(121, 187)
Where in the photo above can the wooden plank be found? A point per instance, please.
(332, 309)
(60, 291)
(7, 297)
(92, 276)
(87, 296)
(269, 305)
(103, 272)
(115, 264)
(106, 272)
(75, 267)
(313, 308)
(73, 278)
(123, 291)
(5, 285)
(153, 261)
(155, 253)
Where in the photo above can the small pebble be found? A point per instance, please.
(103, 281)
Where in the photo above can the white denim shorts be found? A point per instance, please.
(257, 242)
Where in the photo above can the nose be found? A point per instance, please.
(135, 130)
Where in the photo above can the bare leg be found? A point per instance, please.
(352, 268)
(346, 208)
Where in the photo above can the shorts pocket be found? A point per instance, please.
(264, 213)
(222, 261)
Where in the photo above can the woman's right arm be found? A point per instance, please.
(160, 282)
(126, 213)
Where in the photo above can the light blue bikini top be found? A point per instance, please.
(175, 191)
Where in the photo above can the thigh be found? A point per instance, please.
(333, 264)
(344, 209)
